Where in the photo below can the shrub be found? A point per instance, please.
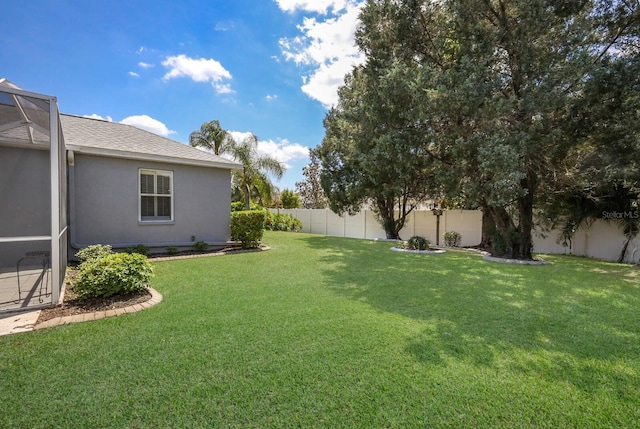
(418, 243)
(172, 250)
(140, 249)
(238, 206)
(113, 274)
(200, 246)
(248, 227)
(452, 239)
(93, 252)
(282, 222)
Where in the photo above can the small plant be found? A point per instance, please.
(112, 274)
(140, 249)
(200, 246)
(417, 243)
(172, 250)
(452, 239)
(93, 252)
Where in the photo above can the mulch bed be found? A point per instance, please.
(72, 306)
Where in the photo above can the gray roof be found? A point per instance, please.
(98, 137)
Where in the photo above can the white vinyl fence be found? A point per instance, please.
(603, 240)
(364, 224)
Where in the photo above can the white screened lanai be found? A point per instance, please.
(33, 200)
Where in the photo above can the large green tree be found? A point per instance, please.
(211, 136)
(372, 153)
(601, 178)
(498, 81)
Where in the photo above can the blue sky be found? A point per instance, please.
(271, 67)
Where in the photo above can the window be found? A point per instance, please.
(156, 199)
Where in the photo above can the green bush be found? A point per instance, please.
(247, 227)
(140, 249)
(113, 274)
(238, 206)
(282, 222)
(418, 243)
(93, 252)
(172, 250)
(200, 246)
(452, 239)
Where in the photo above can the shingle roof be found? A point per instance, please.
(98, 137)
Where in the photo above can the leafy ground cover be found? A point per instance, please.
(331, 332)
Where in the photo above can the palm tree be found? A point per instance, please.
(211, 136)
(254, 175)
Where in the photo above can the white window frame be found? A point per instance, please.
(155, 219)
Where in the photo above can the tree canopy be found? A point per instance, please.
(310, 189)
(373, 149)
(499, 97)
(253, 177)
(289, 199)
(211, 136)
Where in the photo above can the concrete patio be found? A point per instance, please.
(32, 291)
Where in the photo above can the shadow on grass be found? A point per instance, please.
(574, 321)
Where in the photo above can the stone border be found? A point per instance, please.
(421, 252)
(488, 257)
(156, 298)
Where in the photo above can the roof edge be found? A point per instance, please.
(231, 165)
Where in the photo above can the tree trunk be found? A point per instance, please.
(247, 198)
(488, 228)
(503, 234)
(385, 212)
(524, 249)
(624, 250)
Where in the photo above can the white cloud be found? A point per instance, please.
(96, 116)
(134, 74)
(318, 6)
(326, 47)
(225, 25)
(239, 136)
(223, 88)
(199, 70)
(271, 97)
(144, 65)
(148, 123)
(282, 150)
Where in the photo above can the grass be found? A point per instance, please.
(330, 332)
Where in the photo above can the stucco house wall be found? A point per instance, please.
(116, 169)
(104, 204)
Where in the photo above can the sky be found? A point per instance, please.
(270, 67)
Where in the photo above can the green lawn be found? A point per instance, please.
(331, 332)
